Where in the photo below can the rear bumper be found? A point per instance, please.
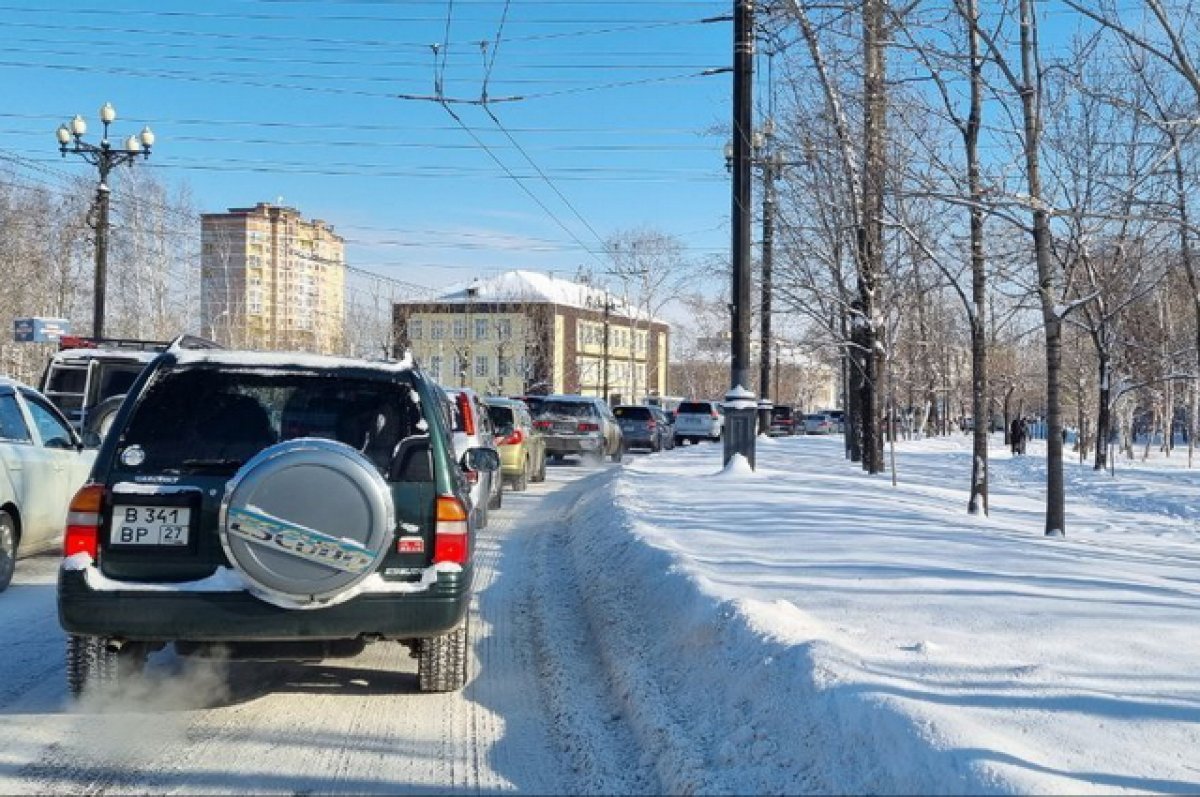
(639, 438)
(564, 444)
(146, 616)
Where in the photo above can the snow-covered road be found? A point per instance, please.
(535, 717)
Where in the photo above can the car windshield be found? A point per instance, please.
(567, 409)
(634, 413)
(816, 418)
(213, 420)
(702, 407)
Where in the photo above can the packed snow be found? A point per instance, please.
(808, 628)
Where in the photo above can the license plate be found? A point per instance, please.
(564, 427)
(150, 525)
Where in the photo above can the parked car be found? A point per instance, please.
(473, 429)
(838, 417)
(783, 420)
(666, 421)
(640, 427)
(88, 377)
(581, 425)
(42, 464)
(698, 420)
(272, 506)
(522, 448)
(817, 423)
(534, 403)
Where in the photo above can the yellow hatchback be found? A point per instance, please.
(522, 448)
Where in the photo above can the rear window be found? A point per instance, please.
(568, 409)
(212, 421)
(501, 416)
(115, 380)
(636, 413)
(701, 407)
(816, 417)
(70, 379)
(781, 412)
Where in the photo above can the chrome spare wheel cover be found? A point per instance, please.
(305, 521)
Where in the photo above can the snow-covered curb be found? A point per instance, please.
(721, 700)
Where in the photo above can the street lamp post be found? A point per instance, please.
(105, 157)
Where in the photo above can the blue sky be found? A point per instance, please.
(257, 100)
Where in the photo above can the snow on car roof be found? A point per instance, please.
(107, 354)
(285, 359)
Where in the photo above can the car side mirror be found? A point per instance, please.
(481, 459)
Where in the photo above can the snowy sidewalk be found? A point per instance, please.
(810, 628)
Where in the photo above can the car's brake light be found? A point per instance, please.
(584, 426)
(714, 413)
(472, 476)
(83, 521)
(542, 424)
(451, 537)
(515, 439)
(466, 412)
(651, 425)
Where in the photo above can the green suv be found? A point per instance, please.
(271, 506)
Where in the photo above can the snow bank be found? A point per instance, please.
(812, 629)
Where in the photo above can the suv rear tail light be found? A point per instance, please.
(472, 476)
(83, 521)
(714, 414)
(451, 534)
(466, 412)
(515, 439)
(589, 427)
(651, 425)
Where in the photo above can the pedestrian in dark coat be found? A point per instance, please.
(1024, 434)
(1014, 436)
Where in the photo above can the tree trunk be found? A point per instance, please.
(979, 388)
(1056, 520)
(1103, 412)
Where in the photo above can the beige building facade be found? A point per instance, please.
(528, 332)
(272, 280)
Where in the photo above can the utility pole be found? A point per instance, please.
(740, 404)
(607, 314)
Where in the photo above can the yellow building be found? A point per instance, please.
(272, 280)
(527, 332)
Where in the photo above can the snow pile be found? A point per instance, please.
(815, 629)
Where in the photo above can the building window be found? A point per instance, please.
(437, 330)
(481, 365)
(481, 329)
(435, 367)
(460, 329)
(414, 329)
(504, 329)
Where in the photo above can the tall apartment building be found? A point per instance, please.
(272, 280)
(527, 332)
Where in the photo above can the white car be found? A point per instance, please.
(818, 423)
(42, 464)
(698, 420)
(473, 429)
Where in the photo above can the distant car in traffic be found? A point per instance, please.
(817, 423)
(783, 420)
(582, 425)
(838, 417)
(698, 420)
(666, 420)
(641, 427)
(472, 428)
(522, 448)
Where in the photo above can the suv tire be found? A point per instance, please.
(442, 661)
(101, 416)
(91, 666)
(540, 476)
(8, 549)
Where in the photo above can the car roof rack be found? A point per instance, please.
(191, 343)
(67, 342)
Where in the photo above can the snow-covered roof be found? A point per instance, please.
(135, 355)
(534, 286)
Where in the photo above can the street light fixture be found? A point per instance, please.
(105, 157)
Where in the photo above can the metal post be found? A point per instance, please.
(764, 323)
(740, 405)
(607, 311)
(101, 275)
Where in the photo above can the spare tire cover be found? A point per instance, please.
(305, 521)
